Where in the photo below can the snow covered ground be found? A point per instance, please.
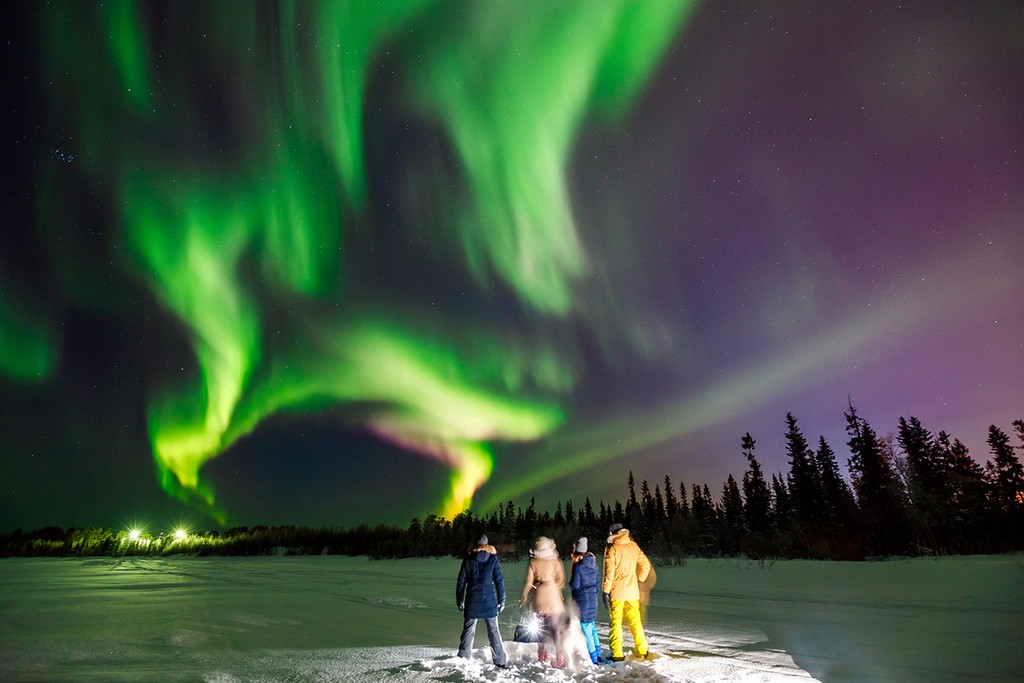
(275, 619)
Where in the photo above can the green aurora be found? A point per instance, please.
(231, 141)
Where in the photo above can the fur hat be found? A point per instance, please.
(544, 548)
(581, 545)
(482, 540)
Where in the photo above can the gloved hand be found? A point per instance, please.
(501, 607)
(607, 597)
(461, 606)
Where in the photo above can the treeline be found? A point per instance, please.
(911, 492)
(258, 540)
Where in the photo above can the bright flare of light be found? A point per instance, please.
(532, 624)
(134, 534)
(180, 534)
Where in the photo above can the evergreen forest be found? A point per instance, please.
(911, 492)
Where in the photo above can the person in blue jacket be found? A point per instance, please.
(585, 586)
(480, 594)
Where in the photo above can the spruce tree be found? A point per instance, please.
(803, 476)
(671, 504)
(659, 508)
(928, 480)
(646, 500)
(709, 503)
(645, 524)
(838, 505)
(1005, 471)
(617, 514)
(508, 519)
(604, 519)
(732, 506)
(968, 495)
(1006, 482)
(530, 519)
(782, 512)
(701, 512)
(879, 492)
(632, 512)
(684, 505)
(756, 495)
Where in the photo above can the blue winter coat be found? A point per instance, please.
(584, 585)
(480, 586)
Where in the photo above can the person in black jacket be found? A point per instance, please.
(584, 584)
(480, 594)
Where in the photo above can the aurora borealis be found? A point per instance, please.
(341, 261)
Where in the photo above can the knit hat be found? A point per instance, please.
(482, 540)
(581, 545)
(544, 548)
(614, 530)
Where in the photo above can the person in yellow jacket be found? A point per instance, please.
(624, 566)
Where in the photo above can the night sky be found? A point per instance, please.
(344, 262)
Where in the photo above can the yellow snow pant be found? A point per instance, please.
(631, 609)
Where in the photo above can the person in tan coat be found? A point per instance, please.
(625, 565)
(545, 579)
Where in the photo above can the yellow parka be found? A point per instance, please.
(624, 565)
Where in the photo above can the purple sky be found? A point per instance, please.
(810, 204)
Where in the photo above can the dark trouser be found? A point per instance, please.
(493, 635)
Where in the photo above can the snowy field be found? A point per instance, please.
(351, 619)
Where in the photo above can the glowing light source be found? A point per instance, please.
(532, 623)
(180, 534)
